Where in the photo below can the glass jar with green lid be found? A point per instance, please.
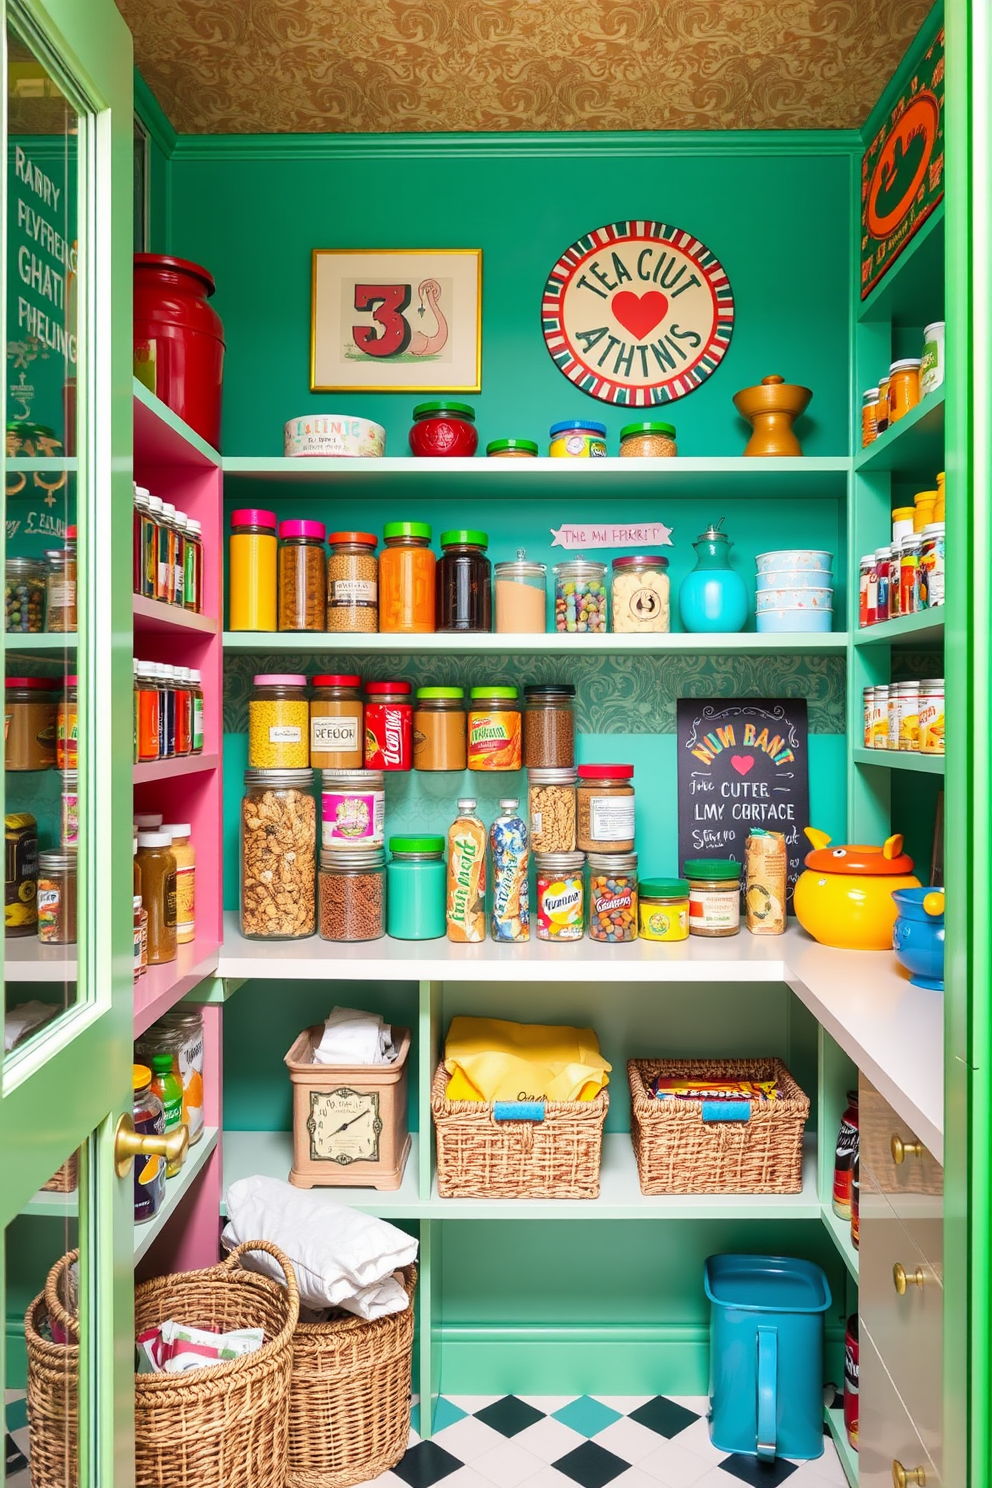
(495, 733)
(416, 886)
(511, 449)
(406, 579)
(439, 729)
(663, 908)
(443, 428)
(648, 441)
(714, 896)
(464, 582)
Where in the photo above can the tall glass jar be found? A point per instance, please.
(551, 804)
(196, 695)
(179, 582)
(165, 588)
(464, 582)
(352, 583)
(278, 855)
(352, 894)
(521, 596)
(302, 579)
(158, 894)
(417, 883)
(613, 897)
(406, 579)
(549, 726)
(24, 596)
(640, 594)
(57, 897)
(580, 596)
(337, 736)
(60, 589)
(252, 570)
(279, 722)
(67, 726)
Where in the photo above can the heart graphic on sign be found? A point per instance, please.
(742, 763)
(639, 314)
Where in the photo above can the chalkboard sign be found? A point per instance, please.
(743, 763)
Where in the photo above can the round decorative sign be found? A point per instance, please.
(638, 313)
(902, 165)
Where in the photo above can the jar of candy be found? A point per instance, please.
(648, 441)
(494, 729)
(388, 726)
(302, 578)
(443, 428)
(511, 449)
(24, 596)
(464, 582)
(640, 594)
(352, 583)
(416, 880)
(578, 439)
(521, 596)
(352, 893)
(149, 1172)
(613, 897)
(406, 579)
(560, 895)
(580, 596)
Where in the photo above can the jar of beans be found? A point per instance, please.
(606, 808)
(580, 596)
(549, 726)
(24, 596)
(648, 441)
(351, 891)
(613, 896)
(352, 583)
(302, 580)
(279, 722)
(551, 804)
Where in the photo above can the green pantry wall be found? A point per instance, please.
(597, 1303)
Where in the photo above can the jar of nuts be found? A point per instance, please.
(640, 594)
(551, 803)
(352, 894)
(549, 726)
(278, 841)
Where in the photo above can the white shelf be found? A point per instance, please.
(326, 643)
(26, 959)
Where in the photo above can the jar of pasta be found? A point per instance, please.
(279, 722)
(337, 739)
(640, 594)
(494, 729)
(439, 729)
(605, 800)
(406, 579)
(352, 583)
(302, 580)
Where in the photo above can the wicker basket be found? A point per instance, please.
(679, 1153)
(53, 1380)
(479, 1157)
(349, 1405)
(66, 1178)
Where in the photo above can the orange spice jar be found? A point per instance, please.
(904, 387)
(406, 579)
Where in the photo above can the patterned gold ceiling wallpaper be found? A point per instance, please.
(346, 66)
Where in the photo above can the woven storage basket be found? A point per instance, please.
(53, 1380)
(679, 1153)
(479, 1157)
(66, 1179)
(349, 1404)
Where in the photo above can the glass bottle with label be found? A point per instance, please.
(158, 892)
(336, 722)
(166, 1084)
(185, 856)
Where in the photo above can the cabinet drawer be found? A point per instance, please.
(885, 1432)
(913, 1185)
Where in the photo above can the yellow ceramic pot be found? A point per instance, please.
(844, 898)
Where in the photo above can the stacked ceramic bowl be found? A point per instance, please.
(795, 591)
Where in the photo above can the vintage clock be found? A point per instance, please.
(344, 1125)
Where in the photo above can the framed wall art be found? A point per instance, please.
(396, 320)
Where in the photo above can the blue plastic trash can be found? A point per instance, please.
(766, 1355)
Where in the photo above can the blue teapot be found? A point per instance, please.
(918, 935)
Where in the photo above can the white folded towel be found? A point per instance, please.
(353, 1037)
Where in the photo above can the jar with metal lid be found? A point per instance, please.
(149, 1172)
(650, 441)
(57, 897)
(179, 585)
(560, 895)
(145, 545)
(388, 726)
(278, 855)
(640, 594)
(67, 726)
(180, 1033)
(279, 722)
(165, 584)
(406, 579)
(931, 702)
(904, 387)
(464, 582)
(580, 596)
(932, 566)
(302, 576)
(903, 707)
(24, 596)
(880, 716)
(21, 881)
(613, 897)
(158, 894)
(511, 449)
(337, 734)
(353, 809)
(252, 570)
(494, 729)
(663, 908)
(352, 583)
(521, 596)
(30, 709)
(439, 729)
(60, 589)
(869, 417)
(551, 806)
(443, 428)
(714, 896)
(605, 801)
(549, 725)
(416, 880)
(351, 889)
(578, 439)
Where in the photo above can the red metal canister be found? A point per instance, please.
(851, 1380)
(388, 726)
(179, 339)
(847, 1145)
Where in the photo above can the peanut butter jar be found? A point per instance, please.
(439, 729)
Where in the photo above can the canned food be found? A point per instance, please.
(880, 716)
(932, 566)
(903, 710)
(932, 716)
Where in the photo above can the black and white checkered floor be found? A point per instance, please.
(549, 1441)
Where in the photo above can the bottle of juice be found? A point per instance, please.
(167, 1085)
(465, 905)
(508, 841)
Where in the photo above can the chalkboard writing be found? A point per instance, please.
(743, 764)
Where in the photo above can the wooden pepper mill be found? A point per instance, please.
(771, 409)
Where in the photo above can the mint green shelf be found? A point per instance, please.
(914, 445)
(325, 643)
(912, 292)
(893, 759)
(839, 1231)
(848, 1456)
(925, 627)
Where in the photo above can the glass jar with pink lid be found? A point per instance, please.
(302, 601)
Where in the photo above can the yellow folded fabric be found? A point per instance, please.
(490, 1059)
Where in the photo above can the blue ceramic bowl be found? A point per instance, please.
(918, 938)
(781, 622)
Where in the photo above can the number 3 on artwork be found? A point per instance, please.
(391, 331)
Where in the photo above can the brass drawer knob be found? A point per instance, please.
(901, 1278)
(129, 1144)
(903, 1476)
(901, 1150)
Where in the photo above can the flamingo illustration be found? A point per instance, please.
(421, 345)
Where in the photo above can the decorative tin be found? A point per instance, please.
(334, 434)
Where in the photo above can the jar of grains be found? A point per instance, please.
(337, 734)
(30, 710)
(439, 729)
(388, 726)
(663, 909)
(494, 729)
(57, 897)
(417, 882)
(714, 896)
(464, 582)
(551, 805)
(640, 594)
(352, 583)
(352, 894)
(521, 595)
(560, 895)
(352, 809)
(549, 726)
(302, 579)
(580, 596)
(60, 589)
(279, 722)
(511, 449)
(605, 802)
(406, 579)
(278, 842)
(648, 441)
(24, 596)
(613, 897)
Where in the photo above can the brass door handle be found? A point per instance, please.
(903, 1476)
(901, 1278)
(901, 1150)
(129, 1144)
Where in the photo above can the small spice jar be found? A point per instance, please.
(869, 416)
(416, 880)
(551, 806)
(149, 1172)
(252, 570)
(30, 709)
(714, 896)
(931, 703)
(494, 729)
(932, 566)
(511, 449)
(578, 439)
(549, 726)
(157, 863)
(904, 387)
(613, 897)
(352, 808)
(388, 726)
(439, 729)
(60, 589)
(464, 582)
(580, 596)
(193, 578)
(278, 843)
(605, 801)
(560, 895)
(443, 428)
(57, 897)
(521, 596)
(279, 722)
(648, 441)
(302, 579)
(406, 579)
(663, 909)
(351, 888)
(352, 583)
(337, 735)
(24, 596)
(640, 594)
(67, 726)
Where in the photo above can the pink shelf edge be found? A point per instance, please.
(169, 769)
(165, 438)
(162, 617)
(163, 986)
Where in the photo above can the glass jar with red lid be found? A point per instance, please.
(443, 428)
(388, 726)
(605, 808)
